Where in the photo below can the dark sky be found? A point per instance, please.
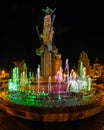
(78, 27)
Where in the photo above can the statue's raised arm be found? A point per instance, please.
(48, 11)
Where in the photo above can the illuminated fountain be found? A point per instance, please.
(50, 75)
(70, 82)
(38, 77)
(79, 82)
(55, 94)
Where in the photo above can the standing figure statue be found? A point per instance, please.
(48, 33)
(48, 29)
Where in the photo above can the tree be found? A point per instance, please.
(86, 62)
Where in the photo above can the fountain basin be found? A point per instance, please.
(52, 108)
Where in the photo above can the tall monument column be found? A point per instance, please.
(48, 51)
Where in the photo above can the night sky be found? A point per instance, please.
(78, 27)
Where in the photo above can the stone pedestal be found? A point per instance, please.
(46, 64)
(49, 65)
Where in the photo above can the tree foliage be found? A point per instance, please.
(86, 62)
